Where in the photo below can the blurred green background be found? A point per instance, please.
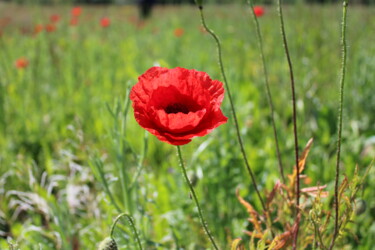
(66, 124)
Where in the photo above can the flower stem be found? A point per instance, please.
(131, 222)
(295, 236)
(268, 91)
(215, 37)
(342, 81)
(203, 222)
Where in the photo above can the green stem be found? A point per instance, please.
(99, 166)
(214, 36)
(131, 222)
(203, 222)
(140, 161)
(268, 91)
(318, 236)
(282, 27)
(342, 81)
(124, 174)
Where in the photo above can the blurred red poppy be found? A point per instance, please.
(76, 11)
(105, 22)
(177, 104)
(38, 28)
(178, 32)
(50, 27)
(54, 18)
(258, 11)
(21, 63)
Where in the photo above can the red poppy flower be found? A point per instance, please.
(105, 22)
(76, 11)
(258, 11)
(178, 32)
(21, 63)
(177, 104)
(54, 18)
(38, 28)
(50, 27)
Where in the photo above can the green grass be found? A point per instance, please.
(64, 121)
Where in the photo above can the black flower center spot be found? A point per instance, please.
(176, 108)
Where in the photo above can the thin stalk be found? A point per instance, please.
(268, 91)
(342, 81)
(215, 37)
(132, 225)
(99, 167)
(282, 27)
(203, 222)
(317, 233)
(125, 179)
(140, 161)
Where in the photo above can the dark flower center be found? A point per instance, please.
(175, 108)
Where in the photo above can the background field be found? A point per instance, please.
(66, 116)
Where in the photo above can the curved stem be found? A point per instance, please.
(214, 36)
(203, 222)
(268, 91)
(295, 236)
(342, 81)
(131, 222)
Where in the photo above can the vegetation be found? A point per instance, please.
(73, 158)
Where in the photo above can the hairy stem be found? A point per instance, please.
(203, 222)
(285, 43)
(342, 81)
(218, 44)
(132, 225)
(268, 91)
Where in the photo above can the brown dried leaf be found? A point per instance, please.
(315, 191)
(301, 164)
(254, 234)
(237, 244)
(344, 184)
(253, 214)
(281, 241)
(273, 192)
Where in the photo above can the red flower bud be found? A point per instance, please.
(21, 63)
(105, 22)
(54, 18)
(50, 27)
(178, 32)
(258, 11)
(76, 11)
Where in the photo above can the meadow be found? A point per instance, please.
(68, 137)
